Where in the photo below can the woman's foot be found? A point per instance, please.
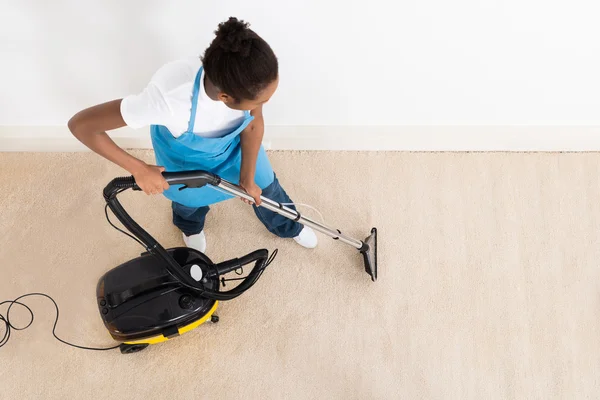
(197, 242)
(307, 238)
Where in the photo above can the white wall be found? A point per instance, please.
(344, 62)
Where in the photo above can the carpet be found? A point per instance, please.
(488, 287)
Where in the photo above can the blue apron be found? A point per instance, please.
(221, 156)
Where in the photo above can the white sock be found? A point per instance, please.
(307, 238)
(197, 241)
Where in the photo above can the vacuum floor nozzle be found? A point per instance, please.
(369, 252)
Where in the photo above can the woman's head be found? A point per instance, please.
(241, 65)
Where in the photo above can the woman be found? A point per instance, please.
(204, 114)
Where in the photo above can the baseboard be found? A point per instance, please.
(345, 138)
(59, 139)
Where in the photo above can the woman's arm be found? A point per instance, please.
(89, 126)
(251, 140)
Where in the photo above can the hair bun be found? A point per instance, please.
(235, 36)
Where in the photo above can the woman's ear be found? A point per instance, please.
(225, 98)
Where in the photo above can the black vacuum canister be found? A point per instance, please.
(140, 298)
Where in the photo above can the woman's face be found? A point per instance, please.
(249, 105)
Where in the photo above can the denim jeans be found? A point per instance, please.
(191, 220)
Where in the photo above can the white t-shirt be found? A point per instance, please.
(167, 101)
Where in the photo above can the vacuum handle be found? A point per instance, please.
(192, 179)
(189, 179)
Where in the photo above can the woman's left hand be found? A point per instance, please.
(253, 190)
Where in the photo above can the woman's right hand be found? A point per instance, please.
(149, 178)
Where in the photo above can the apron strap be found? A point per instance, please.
(195, 100)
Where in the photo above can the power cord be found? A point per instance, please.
(9, 326)
(218, 189)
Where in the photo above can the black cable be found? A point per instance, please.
(121, 230)
(271, 258)
(9, 326)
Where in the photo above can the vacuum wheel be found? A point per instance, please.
(214, 319)
(132, 348)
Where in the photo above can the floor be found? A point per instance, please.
(488, 287)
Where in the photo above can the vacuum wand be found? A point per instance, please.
(368, 247)
(289, 213)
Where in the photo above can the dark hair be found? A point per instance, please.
(238, 61)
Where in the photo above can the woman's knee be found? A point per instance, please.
(272, 187)
(189, 212)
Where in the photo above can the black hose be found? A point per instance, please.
(193, 179)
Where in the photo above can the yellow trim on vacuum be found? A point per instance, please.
(182, 330)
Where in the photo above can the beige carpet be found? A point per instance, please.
(488, 288)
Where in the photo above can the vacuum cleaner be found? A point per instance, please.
(165, 293)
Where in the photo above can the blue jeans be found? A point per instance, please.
(191, 220)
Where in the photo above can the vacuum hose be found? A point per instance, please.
(192, 179)
(260, 257)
